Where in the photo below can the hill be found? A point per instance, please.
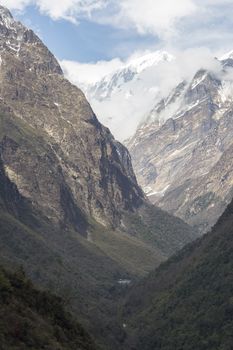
(187, 302)
(32, 319)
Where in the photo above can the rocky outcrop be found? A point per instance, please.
(97, 169)
(71, 211)
(177, 152)
(58, 155)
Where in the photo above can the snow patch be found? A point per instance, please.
(6, 18)
(150, 59)
(226, 91)
(197, 81)
(228, 55)
(159, 193)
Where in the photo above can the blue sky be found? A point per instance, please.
(94, 36)
(86, 41)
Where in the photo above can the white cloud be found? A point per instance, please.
(182, 24)
(70, 10)
(89, 73)
(152, 16)
(179, 22)
(129, 104)
(15, 4)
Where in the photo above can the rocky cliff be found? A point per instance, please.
(71, 211)
(72, 167)
(96, 169)
(181, 154)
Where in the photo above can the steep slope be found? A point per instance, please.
(34, 319)
(73, 169)
(95, 166)
(71, 211)
(128, 93)
(187, 302)
(62, 261)
(177, 152)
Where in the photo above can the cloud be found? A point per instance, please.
(184, 22)
(198, 29)
(181, 23)
(132, 102)
(70, 10)
(89, 73)
(150, 16)
(15, 4)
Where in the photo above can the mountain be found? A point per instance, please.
(187, 302)
(34, 319)
(53, 148)
(182, 152)
(128, 93)
(71, 211)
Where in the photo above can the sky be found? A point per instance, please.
(95, 37)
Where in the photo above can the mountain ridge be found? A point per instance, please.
(177, 148)
(122, 89)
(187, 301)
(86, 224)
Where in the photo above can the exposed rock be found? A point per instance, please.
(97, 169)
(71, 211)
(177, 152)
(71, 168)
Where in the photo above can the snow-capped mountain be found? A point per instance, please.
(127, 94)
(13, 42)
(228, 55)
(114, 82)
(182, 153)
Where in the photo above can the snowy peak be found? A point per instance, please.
(16, 41)
(184, 137)
(11, 32)
(6, 18)
(227, 56)
(127, 73)
(149, 60)
(128, 93)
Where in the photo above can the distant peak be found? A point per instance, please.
(5, 13)
(150, 59)
(228, 55)
(6, 17)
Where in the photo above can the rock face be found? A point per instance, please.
(181, 154)
(70, 168)
(97, 170)
(71, 211)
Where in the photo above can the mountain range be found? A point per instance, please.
(181, 148)
(182, 152)
(71, 211)
(128, 93)
(90, 260)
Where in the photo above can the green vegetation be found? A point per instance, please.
(158, 228)
(132, 254)
(187, 303)
(32, 319)
(85, 273)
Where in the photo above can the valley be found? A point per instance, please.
(107, 245)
